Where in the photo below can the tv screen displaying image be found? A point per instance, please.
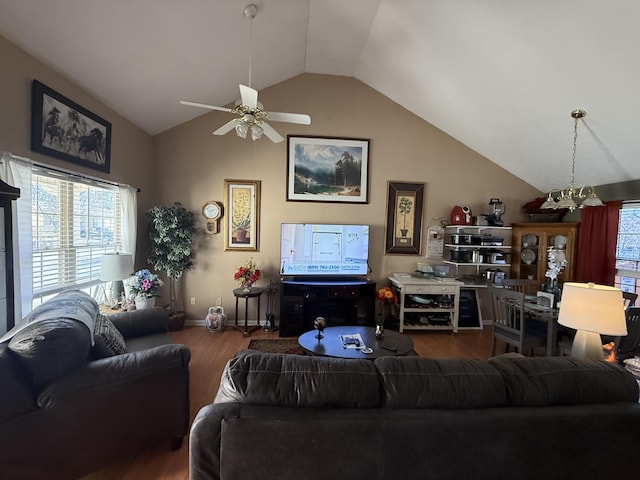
(322, 249)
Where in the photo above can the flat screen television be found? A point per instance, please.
(308, 249)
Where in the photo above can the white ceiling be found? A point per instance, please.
(501, 76)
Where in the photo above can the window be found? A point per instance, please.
(628, 249)
(73, 223)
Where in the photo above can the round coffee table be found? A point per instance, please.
(393, 343)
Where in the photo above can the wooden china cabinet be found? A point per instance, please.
(530, 244)
(7, 195)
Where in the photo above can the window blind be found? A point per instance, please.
(74, 221)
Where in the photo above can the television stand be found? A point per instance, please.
(341, 301)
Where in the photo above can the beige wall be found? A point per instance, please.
(132, 159)
(193, 165)
(189, 165)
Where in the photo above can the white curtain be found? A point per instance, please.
(17, 173)
(129, 202)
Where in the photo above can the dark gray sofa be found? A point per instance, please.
(292, 417)
(64, 412)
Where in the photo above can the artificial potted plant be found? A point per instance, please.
(171, 233)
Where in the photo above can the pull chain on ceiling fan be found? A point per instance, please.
(252, 118)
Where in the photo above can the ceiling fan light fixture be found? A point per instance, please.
(251, 114)
(241, 129)
(256, 132)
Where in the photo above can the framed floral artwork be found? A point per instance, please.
(403, 233)
(242, 225)
(327, 169)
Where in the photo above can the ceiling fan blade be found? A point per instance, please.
(204, 105)
(300, 118)
(249, 96)
(274, 136)
(226, 128)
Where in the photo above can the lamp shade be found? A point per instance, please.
(116, 266)
(592, 308)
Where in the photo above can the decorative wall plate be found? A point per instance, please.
(529, 240)
(528, 256)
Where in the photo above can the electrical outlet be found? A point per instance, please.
(193, 300)
(218, 300)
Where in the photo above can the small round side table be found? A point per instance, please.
(254, 292)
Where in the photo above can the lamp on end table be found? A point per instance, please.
(115, 268)
(592, 310)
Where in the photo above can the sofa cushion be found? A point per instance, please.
(17, 395)
(564, 381)
(108, 340)
(48, 349)
(416, 382)
(299, 381)
(139, 323)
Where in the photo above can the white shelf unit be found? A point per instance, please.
(427, 304)
(480, 230)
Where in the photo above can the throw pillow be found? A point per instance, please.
(49, 349)
(108, 339)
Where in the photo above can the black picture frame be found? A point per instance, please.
(313, 166)
(405, 204)
(63, 129)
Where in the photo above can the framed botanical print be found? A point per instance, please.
(403, 233)
(242, 225)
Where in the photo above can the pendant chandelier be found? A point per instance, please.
(569, 197)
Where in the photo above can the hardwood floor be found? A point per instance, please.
(209, 354)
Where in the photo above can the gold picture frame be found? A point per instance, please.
(242, 224)
(403, 233)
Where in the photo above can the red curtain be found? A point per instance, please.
(597, 244)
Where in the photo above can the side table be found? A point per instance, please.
(239, 293)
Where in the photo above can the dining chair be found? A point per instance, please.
(510, 323)
(629, 345)
(518, 285)
(629, 299)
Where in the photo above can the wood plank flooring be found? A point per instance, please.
(209, 354)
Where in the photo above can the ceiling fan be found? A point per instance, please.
(252, 117)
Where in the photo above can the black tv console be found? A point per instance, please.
(339, 301)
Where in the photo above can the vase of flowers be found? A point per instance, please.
(385, 297)
(144, 286)
(247, 274)
(554, 267)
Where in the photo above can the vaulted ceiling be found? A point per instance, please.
(500, 76)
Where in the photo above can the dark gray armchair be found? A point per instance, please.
(64, 412)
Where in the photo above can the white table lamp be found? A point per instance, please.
(592, 310)
(115, 268)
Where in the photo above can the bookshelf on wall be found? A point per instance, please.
(475, 257)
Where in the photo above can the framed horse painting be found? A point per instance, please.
(63, 129)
